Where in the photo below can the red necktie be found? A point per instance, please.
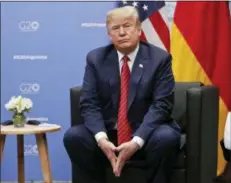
(124, 129)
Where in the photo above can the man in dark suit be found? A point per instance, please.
(127, 101)
(225, 176)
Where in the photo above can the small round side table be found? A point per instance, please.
(41, 140)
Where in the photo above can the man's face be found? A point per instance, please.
(124, 33)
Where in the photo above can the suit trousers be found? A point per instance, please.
(159, 153)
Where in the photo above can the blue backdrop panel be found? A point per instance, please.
(44, 45)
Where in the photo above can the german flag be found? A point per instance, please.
(201, 50)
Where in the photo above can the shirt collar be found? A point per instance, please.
(131, 55)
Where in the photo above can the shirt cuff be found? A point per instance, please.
(138, 140)
(100, 135)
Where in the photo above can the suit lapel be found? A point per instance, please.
(112, 66)
(137, 72)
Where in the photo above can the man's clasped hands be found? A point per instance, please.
(124, 151)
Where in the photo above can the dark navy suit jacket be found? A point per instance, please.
(151, 96)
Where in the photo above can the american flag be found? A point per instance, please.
(154, 21)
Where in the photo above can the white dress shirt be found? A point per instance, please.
(227, 134)
(132, 57)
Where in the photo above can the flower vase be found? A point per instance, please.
(19, 120)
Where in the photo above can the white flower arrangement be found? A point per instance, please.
(19, 104)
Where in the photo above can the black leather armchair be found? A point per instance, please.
(196, 110)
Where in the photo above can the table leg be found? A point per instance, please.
(2, 143)
(44, 157)
(20, 146)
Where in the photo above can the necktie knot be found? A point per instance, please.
(125, 59)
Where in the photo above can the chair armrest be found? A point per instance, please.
(202, 134)
(75, 94)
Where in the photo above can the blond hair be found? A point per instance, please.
(125, 11)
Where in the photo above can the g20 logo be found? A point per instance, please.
(29, 88)
(28, 25)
